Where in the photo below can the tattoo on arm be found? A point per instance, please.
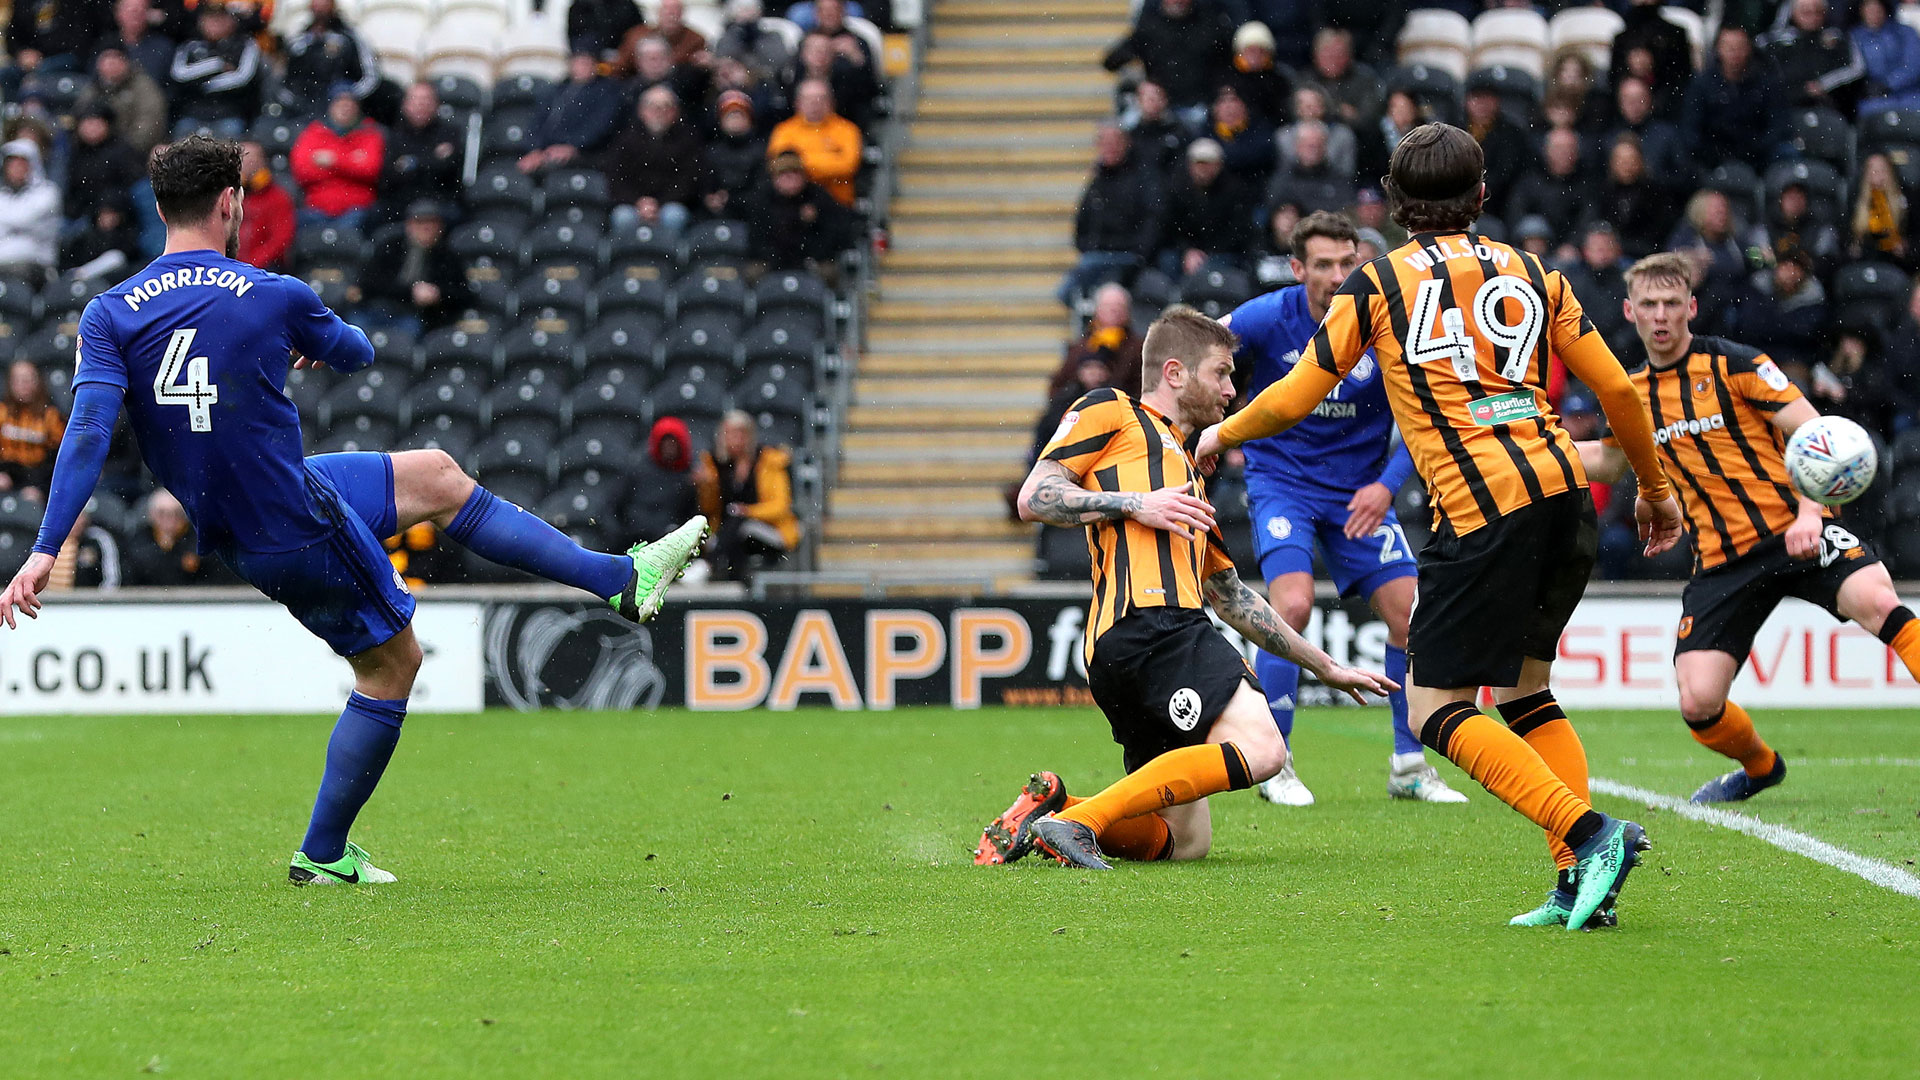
(1243, 609)
(1058, 500)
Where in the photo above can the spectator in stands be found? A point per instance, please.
(1209, 221)
(656, 167)
(1374, 146)
(652, 65)
(1264, 85)
(99, 164)
(1353, 90)
(1670, 55)
(1641, 211)
(746, 491)
(89, 558)
(829, 143)
(1728, 114)
(216, 76)
(830, 18)
(50, 36)
(30, 430)
(1118, 219)
(1574, 81)
(736, 158)
(1247, 140)
(267, 227)
(685, 44)
(1373, 28)
(1813, 63)
(29, 213)
(1160, 137)
(1881, 220)
(1183, 45)
(1890, 51)
(1311, 182)
(1792, 325)
(1110, 340)
(1709, 236)
(854, 88)
(578, 117)
(1273, 268)
(1599, 281)
(424, 156)
(414, 281)
(1668, 160)
(165, 552)
(137, 34)
(1370, 212)
(792, 223)
(765, 93)
(1309, 107)
(1508, 149)
(1084, 372)
(107, 246)
(1558, 193)
(1792, 224)
(139, 105)
(1902, 359)
(323, 55)
(596, 27)
(672, 494)
(1853, 381)
(763, 50)
(337, 162)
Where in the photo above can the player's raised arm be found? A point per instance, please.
(320, 336)
(1342, 339)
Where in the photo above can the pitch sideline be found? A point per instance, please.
(1885, 875)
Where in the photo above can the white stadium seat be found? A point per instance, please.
(1440, 57)
(1435, 28)
(536, 45)
(1520, 57)
(1508, 36)
(1910, 14)
(393, 31)
(1694, 25)
(789, 32)
(463, 42)
(708, 21)
(1589, 29)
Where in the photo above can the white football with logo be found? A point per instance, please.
(1831, 460)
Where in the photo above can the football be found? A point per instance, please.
(1831, 460)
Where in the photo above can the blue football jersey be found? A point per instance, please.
(201, 343)
(1342, 445)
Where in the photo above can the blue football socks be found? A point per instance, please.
(1403, 739)
(498, 531)
(1281, 680)
(357, 755)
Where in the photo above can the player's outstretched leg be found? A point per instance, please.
(1538, 719)
(357, 756)
(428, 485)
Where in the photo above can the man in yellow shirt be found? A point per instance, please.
(828, 143)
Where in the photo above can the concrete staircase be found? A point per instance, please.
(965, 328)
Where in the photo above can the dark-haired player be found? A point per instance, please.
(1461, 327)
(1722, 413)
(196, 347)
(1187, 712)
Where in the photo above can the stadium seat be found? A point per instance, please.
(363, 434)
(637, 287)
(1511, 37)
(521, 92)
(643, 246)
(491, 288)
(800, 375)
(623, 337)
(711, 288)
(15, 544)
(510, 460)
(275, 134)
(544, 398)
(19, 513)
(656, 499)
(328, 244)
(455, 437)
(1589, 29)
(1436, 88)
(506, 135)
(559, 289)
(620, 430)
(588, 514)
(1900, 126)
(552, 241)
(1693, 24)
(442, 403)
(710, 243)
(1738, 182)
(1871, 282)
(546, 341)
(1438, 37)
(50, 346)
(703, 337)
(502, 186)
(783, 409)
(496, 242)
(609, 391)
(795, 290)
(305, 388)
(393, 348)
(468, 345)
(1519, 88)
(688, 392)
(576, 187)
(110, 513)
(1825, 189)
(459, 95)
(591, 452)
(69, 294)
(374, 393)
(19, 301)
(1216, 292)
(1822, 134)
(781, 338)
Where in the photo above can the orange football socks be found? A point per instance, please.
(1901, 632)
(1538, 719)
(1505, 765)
(1730, 732)
(1177, 776)
(1143, 839)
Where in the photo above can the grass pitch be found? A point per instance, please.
(791, 895)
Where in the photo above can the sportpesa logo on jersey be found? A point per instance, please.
(1689, 427)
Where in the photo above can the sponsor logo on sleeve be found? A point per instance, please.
(1066, 425)
(1771, 374)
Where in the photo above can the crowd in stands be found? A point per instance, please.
(549, 270)
(1780, 151)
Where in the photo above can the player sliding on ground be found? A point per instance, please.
(1461, 327)
(1186, 710)
(1722, 413)
(1329, 482)
(196, 347)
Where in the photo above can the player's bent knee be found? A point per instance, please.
(1700, 704)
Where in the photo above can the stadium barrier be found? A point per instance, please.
(719, 650)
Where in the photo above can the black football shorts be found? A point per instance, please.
(1723, 608)
(1163, 675)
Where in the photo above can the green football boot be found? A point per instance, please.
(353, 867)
(1554, 912)
(1603, 868)
(656, 566)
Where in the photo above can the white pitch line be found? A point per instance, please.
(1885, 875)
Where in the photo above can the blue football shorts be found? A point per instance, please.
(342, 588)
(1289, 521)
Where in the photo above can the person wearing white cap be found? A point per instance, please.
(1260, 81)
(29, 212)
(1209, 215)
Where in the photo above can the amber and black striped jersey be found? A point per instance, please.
(1462, 328)
(1111, 442)
(1712, 419)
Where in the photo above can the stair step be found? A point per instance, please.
(1018, 35)
(942, 57)
(853, 474)
(929, 418)
(1036, 364)
(1065, 82)
(1038, 336)
(897, 446)
(1003, 159)
(1016, 107)
(986, 204)
(1005, 133)
(907, 504)
(910, 234)
(910, 526)
(984, 391)
(1013, 288)
(957, 557)
(952, 315)
(955, 10)
(1051, 184)
(1056, 259)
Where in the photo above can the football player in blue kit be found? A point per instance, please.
(197, 347)
(1329, 481)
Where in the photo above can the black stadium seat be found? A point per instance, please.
(544, 398)
(1892, 126)
(1431, 87)
(468, 345)
(774, 339)
(305, 388)
(69, 294)
(711, 243)
(795, 291)
(330, 244)
(1738, 182)
(502, 186)
(377, 439)
(783, 409)
(636, 287)
(704, 337)
(375, 392)
(645, 245)
(458, 93)
(712, 288)
(507, 134)
(553, 290)
(589, 515)
(1823, 134)
(520, 92)
(19, 301)
(436, 400)
(625, 337)
(455, 438)
(585, 188)
(497, 242)
(560, 241)
(1870, 282)
(15, 544)
(610, 391)
(1216, 292)
(503, 458)
(1824, 187)
(547, 342)
(688, 392)
(393, 348)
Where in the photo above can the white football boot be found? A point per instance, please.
(1285, 789)
(1410, 777)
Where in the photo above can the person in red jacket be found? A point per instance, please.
(266, 231)
(337, 162)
